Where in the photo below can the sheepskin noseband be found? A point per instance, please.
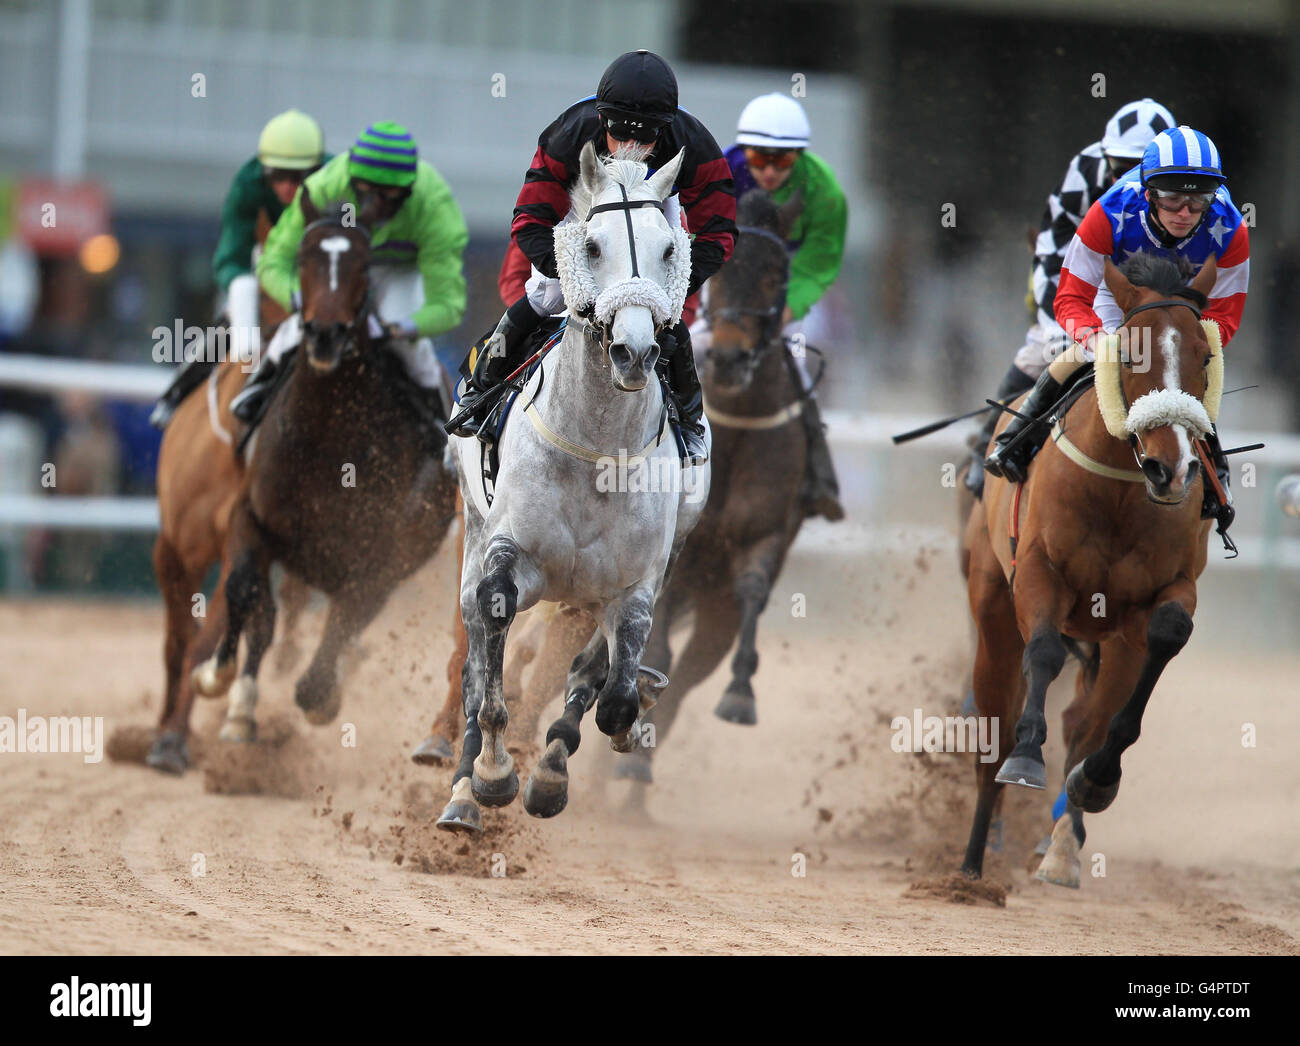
(582, 295)
(1161, 406)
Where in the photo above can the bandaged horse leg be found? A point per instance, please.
(547, 791)
(1094, 783)
(627, 627)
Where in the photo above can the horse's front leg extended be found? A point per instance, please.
(494, 781)
(627, 627)
(1094, 783)
(1041, 607)
(752, 587)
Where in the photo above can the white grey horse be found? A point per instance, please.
(591, 503)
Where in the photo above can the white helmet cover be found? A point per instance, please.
(773, 121)
(1131, 129)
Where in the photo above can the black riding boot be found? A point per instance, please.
(685, 386)
(821, 488)
(1013, 464)
(1211, 507)
(491, 360)
(1013, 384)
(189, 376)
(250, 401)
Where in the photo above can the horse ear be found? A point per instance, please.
(663, 180)
(1204, 280)
(591, 171)
(788, 213)
(1125, 293)
(310, 212)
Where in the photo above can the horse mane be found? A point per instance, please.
(756, 208)
(1163, 275)
(620, 168)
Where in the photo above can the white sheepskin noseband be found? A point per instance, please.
(1168, 407)
(581, 294)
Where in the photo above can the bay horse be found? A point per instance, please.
(1109, 545)
(198, 480)
(753, 395)
(591, 503)
(339, 486)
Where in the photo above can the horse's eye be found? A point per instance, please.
(668, 252)
(593, 249)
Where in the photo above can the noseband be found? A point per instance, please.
(599, 332)
(770, 317)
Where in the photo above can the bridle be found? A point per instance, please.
(769, 318)
(359, 324)
(593, 328)
(1135, 439)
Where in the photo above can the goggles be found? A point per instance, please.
(389, 194)
(283, 174)
(1175, 201)
(781, 159)
(631, 128)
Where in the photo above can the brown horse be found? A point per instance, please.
(1110, 545)
(339, 486)
(753, 397)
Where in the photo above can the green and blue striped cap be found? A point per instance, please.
(385, 154)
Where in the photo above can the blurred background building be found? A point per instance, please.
(133, 115)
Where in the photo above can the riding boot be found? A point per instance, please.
(1211, 507)
(491, 360)
(250, 401)
(1012, 463)
(189, 376)
(1013, 384)
(685, 386)
(821, 489)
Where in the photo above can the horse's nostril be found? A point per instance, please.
(621, 356)
(1157, 472)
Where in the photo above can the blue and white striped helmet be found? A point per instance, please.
(1182, 151)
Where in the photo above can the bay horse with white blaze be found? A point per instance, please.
(341, 486)
(1109, 543)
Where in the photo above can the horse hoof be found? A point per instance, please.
(169, 753)
(737, 708)
(1062, 872)
(240, 730)
(629, 740)
(211, 680)
(318, 710)
(500, 791)
(460, 816)
(616, 714)
(547, 791)
(1089, 797)
(432, 751)
(1023, 770)
(635, 769)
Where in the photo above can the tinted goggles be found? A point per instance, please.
(1174, 201)
(781, 159)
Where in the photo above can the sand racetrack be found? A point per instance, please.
(331, 849)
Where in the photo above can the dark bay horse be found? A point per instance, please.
(1110, 545)
(340, 486)
(752, 397)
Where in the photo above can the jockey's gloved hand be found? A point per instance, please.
(401, 329)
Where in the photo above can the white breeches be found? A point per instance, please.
(398, 292)
(242, 309)
(1044, 341)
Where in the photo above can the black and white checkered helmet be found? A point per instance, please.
(1131, 129)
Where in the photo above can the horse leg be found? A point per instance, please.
(210, 676)
(997, 685)
(547, 791)
(1040, 609)
(494, 781)
(627, 627)
(249, 604)
(169, 751)
(294, 594)
(435, 750)
(317, 691)
(752, 587)
(1094, 783)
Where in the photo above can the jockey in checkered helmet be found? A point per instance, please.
(1090, 174)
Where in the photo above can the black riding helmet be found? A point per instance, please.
(638, 87)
